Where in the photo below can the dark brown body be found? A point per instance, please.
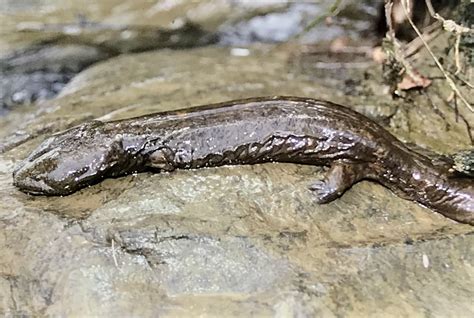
(282, 129)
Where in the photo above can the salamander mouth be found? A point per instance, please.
(45, 175)
(31, 185)
(40, 185)
(49, 176)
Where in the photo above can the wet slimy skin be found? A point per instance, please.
(258, 130)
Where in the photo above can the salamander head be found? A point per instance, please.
(71, 160)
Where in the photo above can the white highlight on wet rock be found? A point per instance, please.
(237, 51)
(426, 261)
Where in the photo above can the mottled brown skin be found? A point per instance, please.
(280, 129)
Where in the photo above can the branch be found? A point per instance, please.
(435, 59)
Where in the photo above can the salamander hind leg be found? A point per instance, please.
(340, 177)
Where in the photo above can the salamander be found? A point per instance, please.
(250, 131)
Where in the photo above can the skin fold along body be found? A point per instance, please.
(250, 131)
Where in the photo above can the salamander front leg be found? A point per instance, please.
(340, 177)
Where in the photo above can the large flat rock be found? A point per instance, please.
(229, 241)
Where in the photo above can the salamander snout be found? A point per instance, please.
(33, 175)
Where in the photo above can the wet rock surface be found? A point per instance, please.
(55, 52)
(41, 71)
(229, 241)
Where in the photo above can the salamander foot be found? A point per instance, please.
(340, 177)
(324, 192)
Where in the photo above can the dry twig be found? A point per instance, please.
(332, 12)
(113, 253)
(429, 33)
(435, 59)
(453, 27)
(411, 78)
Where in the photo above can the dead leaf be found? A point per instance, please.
(414, 80)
